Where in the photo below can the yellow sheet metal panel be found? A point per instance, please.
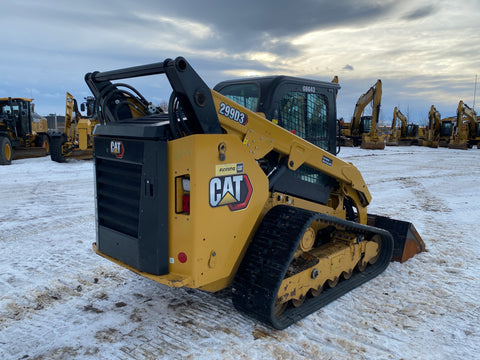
(226, 200)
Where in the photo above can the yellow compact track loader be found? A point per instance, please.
(23, 133)
(76, 141)
(236, 187)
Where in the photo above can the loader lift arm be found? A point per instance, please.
(191, 91)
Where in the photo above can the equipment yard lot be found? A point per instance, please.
(59, 300)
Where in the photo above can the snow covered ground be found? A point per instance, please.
(59, 300)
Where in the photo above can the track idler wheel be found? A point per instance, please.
(378, 240)
(316, 292)
(362, 266)
(298, 302)
(347, 274)
(334, 282)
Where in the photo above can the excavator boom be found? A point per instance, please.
(434, 126)
(464, 132)
(408, 133)
(363, 129)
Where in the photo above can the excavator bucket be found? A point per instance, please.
(373, 145)
(407, 241)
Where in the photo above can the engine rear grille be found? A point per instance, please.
(118, 195)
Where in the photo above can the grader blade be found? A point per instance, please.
(30, 152)
(407, 241)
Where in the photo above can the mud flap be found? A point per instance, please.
(407, 241)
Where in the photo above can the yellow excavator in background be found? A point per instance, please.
(465, 132)
(422, 135)
(392, 138)
(237, 187)
(433, 130)
(76, 141)
(446, 129)
(23, 133)
(407, 134)
(362, 130)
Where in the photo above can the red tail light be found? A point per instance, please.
(186, 203)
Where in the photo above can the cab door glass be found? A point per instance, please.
(306, 115)
(246, 94)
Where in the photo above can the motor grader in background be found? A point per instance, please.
(23, 133)
(406, 135)
(237, 187)
(466, 131)
(362, 130)
(76, 141)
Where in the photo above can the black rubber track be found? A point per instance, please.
(266, 261)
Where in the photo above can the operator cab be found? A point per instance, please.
(307, 108)
(412, 130)
(365, 124)
(446, 128)
(17, 111)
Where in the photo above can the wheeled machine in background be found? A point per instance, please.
(23, 133)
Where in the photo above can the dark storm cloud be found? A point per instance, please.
(269, 25)
(281, 17)
(420, 13)
(237, 27)
(348, 67)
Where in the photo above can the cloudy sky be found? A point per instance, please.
(425, 52)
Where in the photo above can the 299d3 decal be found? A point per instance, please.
(233, 114)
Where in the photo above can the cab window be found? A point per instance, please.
(306, 115)
(244, 94)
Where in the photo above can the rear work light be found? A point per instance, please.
(182, 184)
(186, 184)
